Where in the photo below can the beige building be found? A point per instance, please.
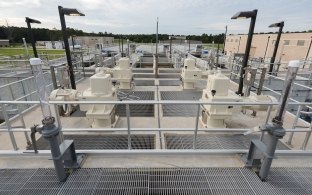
(92, 42)
(292, 45)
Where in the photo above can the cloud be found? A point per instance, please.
(175, 17)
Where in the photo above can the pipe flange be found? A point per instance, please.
(49, 120)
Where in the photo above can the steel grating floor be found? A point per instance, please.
(171, 82)
(144, 82)
(210, 141)
(162, 181)
(178, 109)
(136, 110)
(103, 142)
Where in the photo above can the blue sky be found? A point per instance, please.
(175, 16)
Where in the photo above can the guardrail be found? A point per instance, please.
(9, 129)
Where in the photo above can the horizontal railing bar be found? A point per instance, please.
(189, 102)
(215, 130)
(285, 153)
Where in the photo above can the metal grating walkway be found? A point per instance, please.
(138, 82)
(104, 142)
(213, 141)
(136, 110)
(162, 181)
(171, 82)
(178, 109)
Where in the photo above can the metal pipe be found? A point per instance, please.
(287, 89)
(267, 119)
(187, 102)
(214, 130)
(41, 86)
(279, 153)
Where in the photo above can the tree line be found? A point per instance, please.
(15, 35)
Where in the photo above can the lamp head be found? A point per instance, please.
(278, 24)
(71, 11)
(30, 20)
(245, 14)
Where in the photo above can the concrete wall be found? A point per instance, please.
(91, 42)
(288, 47)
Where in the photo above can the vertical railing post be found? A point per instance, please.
(158, 117)
(266, 119)
(23, 123)
(128, 125)
(8, 124)
(53, 77)
(307, 138)
(196, 127)
(294, 125)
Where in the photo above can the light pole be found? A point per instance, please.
(266, 48)
(189, 45)
(253, 16)
(73, 41)
(26, 48)
(224, 39)
(122, 54)
(305, 60)
(62, 13)
(31, 35)
(119, 44)
(170, 38)
(128, 48)
(156, 56)
(280, 25)
(240, 38)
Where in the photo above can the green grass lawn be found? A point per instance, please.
(210, 45)
(21, 51)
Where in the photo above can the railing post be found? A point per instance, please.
(23, 123)
(294, 125)
(53, 77)
(307, 138)
(128, 125)
(196, 126)
(8, 124)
